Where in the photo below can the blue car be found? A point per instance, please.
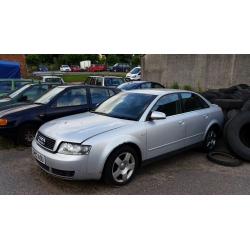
(140, 85)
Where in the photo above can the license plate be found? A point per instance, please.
(38, 156)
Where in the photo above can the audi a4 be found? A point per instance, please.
(125, 131)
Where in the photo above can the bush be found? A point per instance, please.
(175, 85)
(187, 87)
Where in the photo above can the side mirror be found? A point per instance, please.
(155, 115)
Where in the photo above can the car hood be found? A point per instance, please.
(17, 107)
(80, 127)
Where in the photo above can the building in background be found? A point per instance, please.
(198, 71)
(17, 58)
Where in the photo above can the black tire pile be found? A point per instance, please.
(235, 103)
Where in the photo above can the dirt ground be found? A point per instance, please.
(188, 173)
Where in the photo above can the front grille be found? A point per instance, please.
(45, 141)
(62, 172)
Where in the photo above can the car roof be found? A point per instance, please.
(158, 91)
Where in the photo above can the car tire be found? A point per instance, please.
(26, 134)
(210, 141)
(118, 170)
(237, 133)
(232, 113)
(246, 106)
(223, 158)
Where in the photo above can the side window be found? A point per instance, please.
(72, 97)
(92, 81)
(98, 95)
(168, 104)
(146, 85)
(98, 81)
(192, 102)
(111, 92)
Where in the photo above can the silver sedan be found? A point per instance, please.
(125, 131)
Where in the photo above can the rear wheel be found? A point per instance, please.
(26, 134)
(210, 140)
(121, 166)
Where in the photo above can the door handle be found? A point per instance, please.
(181, 123)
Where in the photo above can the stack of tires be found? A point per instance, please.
(235, 102)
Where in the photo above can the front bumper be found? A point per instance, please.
(64, 166)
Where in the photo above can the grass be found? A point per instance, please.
(70, 78)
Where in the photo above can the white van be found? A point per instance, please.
(134, 74)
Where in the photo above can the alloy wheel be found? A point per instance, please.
(211, 140)
(123, 167)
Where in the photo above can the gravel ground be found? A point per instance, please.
(188, 173)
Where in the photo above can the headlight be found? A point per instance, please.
(3, 122)
(73, 149)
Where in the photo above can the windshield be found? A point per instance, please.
(135, 70)
(18, 91)
(46, 98)
(129, 106)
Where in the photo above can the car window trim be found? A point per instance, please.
(182, 105)
(150, 111)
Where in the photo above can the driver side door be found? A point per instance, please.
(167, 135)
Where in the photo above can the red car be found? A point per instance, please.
(97, 68)
(75, 68)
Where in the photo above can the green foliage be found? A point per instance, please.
(136, 60)
(175, 85)
(75, 59)
(187, 87)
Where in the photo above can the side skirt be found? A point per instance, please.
(170, 154)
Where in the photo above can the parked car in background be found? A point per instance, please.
(23, 121)
(108, 81)
(9, 85)
(52, 79)
(97, 68)
(26, 94)
(119, 67)
(75, 68)
(125, 131)
(65, 68)
(140, 85)
(134, 74)
(43, 68)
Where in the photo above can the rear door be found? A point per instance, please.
(71, 101)
(196, 117)
(167, 135)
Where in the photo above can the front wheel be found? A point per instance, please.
(121, 166)
(26, 134)
(210, 140)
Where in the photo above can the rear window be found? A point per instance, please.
(113, 82)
